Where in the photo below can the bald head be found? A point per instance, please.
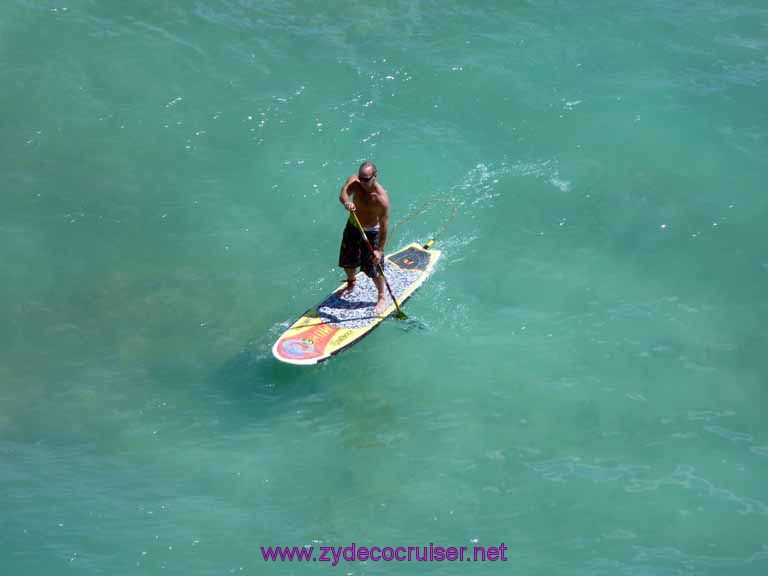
(367, 169)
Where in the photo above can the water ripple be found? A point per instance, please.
(685, 477)
(560, 469)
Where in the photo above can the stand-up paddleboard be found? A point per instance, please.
(343, 319)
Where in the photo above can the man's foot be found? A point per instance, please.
(381, 305)
(350, 286)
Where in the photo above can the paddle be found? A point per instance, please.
(400, 314)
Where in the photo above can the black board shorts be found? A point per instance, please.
(354, 251)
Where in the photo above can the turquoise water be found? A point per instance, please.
(584, 378)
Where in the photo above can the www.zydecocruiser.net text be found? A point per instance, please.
(355, 553)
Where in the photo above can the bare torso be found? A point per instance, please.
(372, 206)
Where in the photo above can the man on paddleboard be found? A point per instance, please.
(363, 195)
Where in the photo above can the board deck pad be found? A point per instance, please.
(342, 319)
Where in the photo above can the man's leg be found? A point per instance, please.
(381, 303)
(350, 280)
(349, 255)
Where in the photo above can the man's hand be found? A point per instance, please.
(349, 206)
(378, 256)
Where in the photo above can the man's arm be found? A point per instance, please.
(344, 196)
(383, 223)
